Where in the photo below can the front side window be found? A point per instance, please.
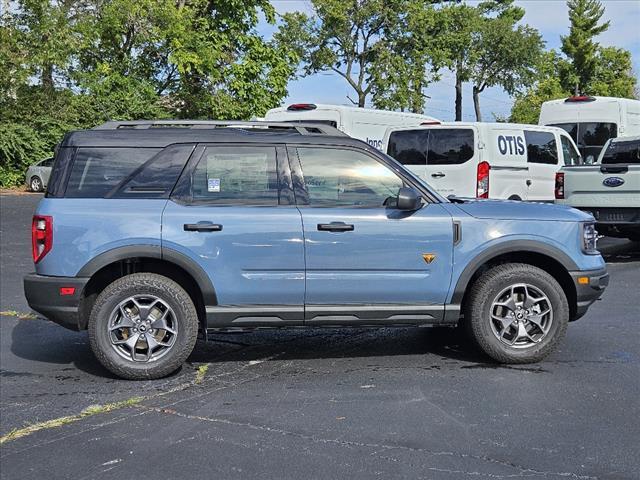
(541, 147)
(238, 175)
(96, 171)
(571, 156)
(622, 152)
(346, 178)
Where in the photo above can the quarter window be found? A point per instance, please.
(96, 171)
(336, 177)
(541, 147)
(238, 175)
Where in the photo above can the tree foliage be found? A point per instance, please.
(70, 64)
(587, 67)
(579, 46)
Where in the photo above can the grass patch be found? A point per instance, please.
(59, 422)
(201, 373)
(19, 315)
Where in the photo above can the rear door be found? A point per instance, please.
(365, 260)
(543, 163)
(445, 157)
(232, 212)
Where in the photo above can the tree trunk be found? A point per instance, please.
(458, 97)
(47, 77)
(476, 103)
(362, 99)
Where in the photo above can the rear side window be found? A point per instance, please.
(63, 158)
(238, 175)
(409, 147)
(441, 146)
(541, 147)
(97, 171)
(622, 152)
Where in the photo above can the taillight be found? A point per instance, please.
(482, 185)
(41, 236)
(559, 188)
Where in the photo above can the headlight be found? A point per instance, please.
(589, 238)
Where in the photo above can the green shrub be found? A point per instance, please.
(20, 146)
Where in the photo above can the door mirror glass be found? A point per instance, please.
(408, 199)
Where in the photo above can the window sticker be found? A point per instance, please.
(213, 184)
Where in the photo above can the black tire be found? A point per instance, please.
(35, 184)
(168, 292)
(477, 312)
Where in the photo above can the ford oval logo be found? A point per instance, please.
(613, 182)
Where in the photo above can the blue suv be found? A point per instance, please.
(153, 233)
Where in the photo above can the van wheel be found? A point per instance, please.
(515, 197)
(143, 326)
(36, 184)
(516, 313)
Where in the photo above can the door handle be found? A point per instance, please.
(335, 227)
(438, 175)
(202, 227)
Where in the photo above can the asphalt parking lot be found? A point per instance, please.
(321, 403)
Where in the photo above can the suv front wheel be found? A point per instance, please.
(143, 326)
(516, 313)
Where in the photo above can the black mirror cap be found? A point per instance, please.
(408, 199)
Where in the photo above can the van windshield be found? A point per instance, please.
(589, 136)
(622, 152)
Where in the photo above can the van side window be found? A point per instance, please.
(346, 178)
(571, 156)
(541, 147)
(409, 147)
(239, 175)
(450, 146)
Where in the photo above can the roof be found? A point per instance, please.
(162, 137)
(347, 108)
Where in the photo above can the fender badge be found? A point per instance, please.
(428, 257)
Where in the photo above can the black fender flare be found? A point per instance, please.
(161, 253)
(510, 246)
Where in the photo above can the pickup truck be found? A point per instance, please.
(609, 190)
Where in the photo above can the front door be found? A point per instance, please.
(366, 261)
(233, 213)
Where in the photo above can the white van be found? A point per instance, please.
(362, 123)
(485, 160)
(591, 121)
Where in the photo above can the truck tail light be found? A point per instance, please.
(41, 236)
(482, 183)
(559, 188)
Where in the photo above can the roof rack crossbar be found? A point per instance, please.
(300, 128)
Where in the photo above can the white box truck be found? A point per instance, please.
(591, 121)
(365, 124)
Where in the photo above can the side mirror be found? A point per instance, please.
(408, 199)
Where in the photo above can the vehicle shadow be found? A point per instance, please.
(620, 251)
(43, 341)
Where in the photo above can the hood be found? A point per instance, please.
(516, 210)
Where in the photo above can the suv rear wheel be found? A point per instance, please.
(516, 313)
(143, 326)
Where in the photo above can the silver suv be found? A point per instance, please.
(37, 176)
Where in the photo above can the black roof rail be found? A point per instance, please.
(289, 127)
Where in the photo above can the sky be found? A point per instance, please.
(551, 19)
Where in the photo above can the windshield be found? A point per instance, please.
(590, 137)
(622, 152)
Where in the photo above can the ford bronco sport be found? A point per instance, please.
(152, 233)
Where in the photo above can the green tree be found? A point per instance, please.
(506, 55)
(579, 45)
(345, 37)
